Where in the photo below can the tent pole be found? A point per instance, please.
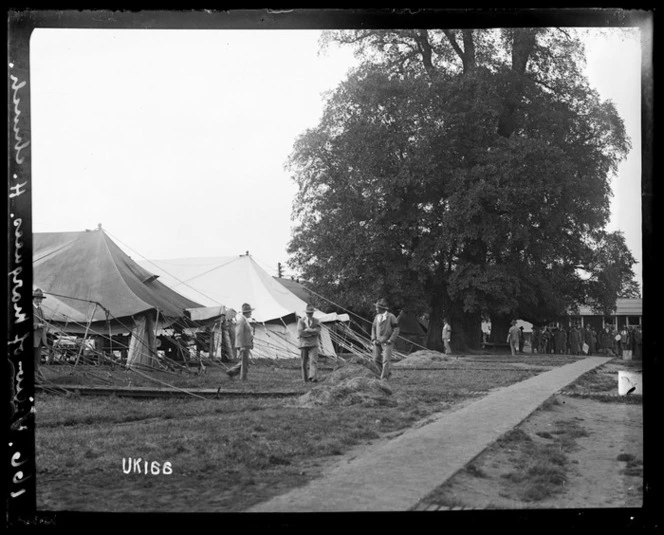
(87, 329)
(110, 339)
(218, 341)
(55, 345)
(156, 330)
(156, 325)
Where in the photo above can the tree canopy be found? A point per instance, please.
(462, 173)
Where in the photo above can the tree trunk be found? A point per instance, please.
(522, 47)
(467, 54)
(466, 327)
(500, 325)
(435, 330)
(466, 331)
(425, 49)
(469, 60)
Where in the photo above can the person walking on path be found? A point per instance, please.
(447, 335)
(560, 340)
(244, 343)
(513, 338)
(308, 331)
(638, 342)
(551, 345)
(606, 342)
(594, 343)
(546, 340)
(626, 342)
(384, 331)
(39, 331)
(587, 339)
(575, 340)
(536, 340)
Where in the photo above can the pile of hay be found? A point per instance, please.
(424, 358)
(359, 361)
(352, 384)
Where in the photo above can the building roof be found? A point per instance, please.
(624, 307)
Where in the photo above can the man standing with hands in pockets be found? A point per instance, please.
(308, 331)
(384, 332)
(244, 343)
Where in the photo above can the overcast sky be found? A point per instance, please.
(176, 140)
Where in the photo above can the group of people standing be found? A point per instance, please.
(585, 340)
(240, 343)
(384, 332)
(308, 330)
(244, 343)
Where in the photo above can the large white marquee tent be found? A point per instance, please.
(220, 283)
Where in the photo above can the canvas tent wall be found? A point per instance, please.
(297, 288)
(232, 281)
(92, 286)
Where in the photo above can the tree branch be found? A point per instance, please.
(423, 45)
(453, 42)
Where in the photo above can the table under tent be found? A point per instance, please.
(100, 306)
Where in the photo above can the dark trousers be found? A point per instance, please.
(309, 363)
(37, 359)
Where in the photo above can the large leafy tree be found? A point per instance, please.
(610, 270)
(460, 173)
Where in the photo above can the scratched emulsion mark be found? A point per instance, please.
(19, 342)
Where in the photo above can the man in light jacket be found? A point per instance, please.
(244, 343)
(513, 336)
(447, 335)
(308, 331)
(384, 332)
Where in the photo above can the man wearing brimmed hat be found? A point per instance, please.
(384, 332)
(513, 336)
(39, 330)
(244, 343)
(308, 331)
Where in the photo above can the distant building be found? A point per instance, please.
(628, 311)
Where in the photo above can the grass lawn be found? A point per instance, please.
(224, 455)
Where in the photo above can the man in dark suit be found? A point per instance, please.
(384, 332)
(39, 331)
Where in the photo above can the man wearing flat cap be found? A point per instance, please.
(244, 343)
(39, 330)
(384, 332)
(308, 332)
